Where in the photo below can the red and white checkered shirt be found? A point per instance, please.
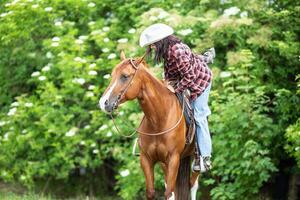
(188, 69)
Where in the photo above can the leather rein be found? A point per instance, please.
(136, 67)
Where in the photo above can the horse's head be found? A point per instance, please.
(125, 84)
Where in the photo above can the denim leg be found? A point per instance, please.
(201, 111)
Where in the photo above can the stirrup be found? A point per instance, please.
(201, 166)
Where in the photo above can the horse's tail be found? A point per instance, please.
(183, 179)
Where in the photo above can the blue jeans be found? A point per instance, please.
(201, 111)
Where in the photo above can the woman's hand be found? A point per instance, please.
(170, 87)
(168, 84)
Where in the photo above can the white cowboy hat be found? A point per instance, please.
(155, 33)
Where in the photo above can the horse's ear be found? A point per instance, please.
(122, 55)
(142, 60)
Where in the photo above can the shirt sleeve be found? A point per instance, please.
(185, 70)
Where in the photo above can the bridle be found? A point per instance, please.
(116, 103)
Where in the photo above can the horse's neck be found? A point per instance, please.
(155, 100)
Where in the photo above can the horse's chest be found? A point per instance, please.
(154, 148)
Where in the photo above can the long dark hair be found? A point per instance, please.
(162, 47)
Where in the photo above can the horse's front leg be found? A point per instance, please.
(172, 167)
(147, 167)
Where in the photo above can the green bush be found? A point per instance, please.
(55, 61)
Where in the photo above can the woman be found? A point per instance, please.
(190, 73)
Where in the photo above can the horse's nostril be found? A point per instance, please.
(106, 102)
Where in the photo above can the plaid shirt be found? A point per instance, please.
(189, 70)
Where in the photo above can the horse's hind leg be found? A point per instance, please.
(147, 167)
(194, 185)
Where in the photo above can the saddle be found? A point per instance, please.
(188, 114)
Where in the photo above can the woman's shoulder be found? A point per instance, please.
(179, 48)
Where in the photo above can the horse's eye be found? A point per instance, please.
(124, 77)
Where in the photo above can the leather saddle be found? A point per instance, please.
(189, 115)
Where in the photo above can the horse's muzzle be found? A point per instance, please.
(108, 105)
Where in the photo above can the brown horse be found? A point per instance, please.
(163, 130)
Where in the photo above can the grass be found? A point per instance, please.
(13, 196)
(30, 196)
(13, 191)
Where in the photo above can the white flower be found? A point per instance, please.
(91, 4)
(29, 104)
(6, 136)
(14, 104)
(12, 111)
(185, 32)
(103, 127)
(225, 74)
(71, 132)
(55, 39)
(125, 173)
(105, 50)
(153, 18)
(35, 6)
(48, 9)
(83, 37)
(3, 14)
(244, 14)
(93, 144)
(131, 31)
(78, 59)
(58, 23)
(111, 56)
(121, 113)
(24, 131)
(93, 73)
(106, 76)
(91, 87)
(91, 23)
(7, 4)
(46, 68)
(223, 1)
(87, 127)
(80, 81)
(82, 142)
(78, 41)
(106, 39)
(92, 65)
(42, 78)
(231, 11)
(55, 44)
(49, 55)
(297, 148)
(34, 74)
(105, 28)
(109, 134)
(95, 151)
(123, 40)
(96, 32)
(2, 123)
(89, 94)
(163, 14)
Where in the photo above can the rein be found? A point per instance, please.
(136, 67)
